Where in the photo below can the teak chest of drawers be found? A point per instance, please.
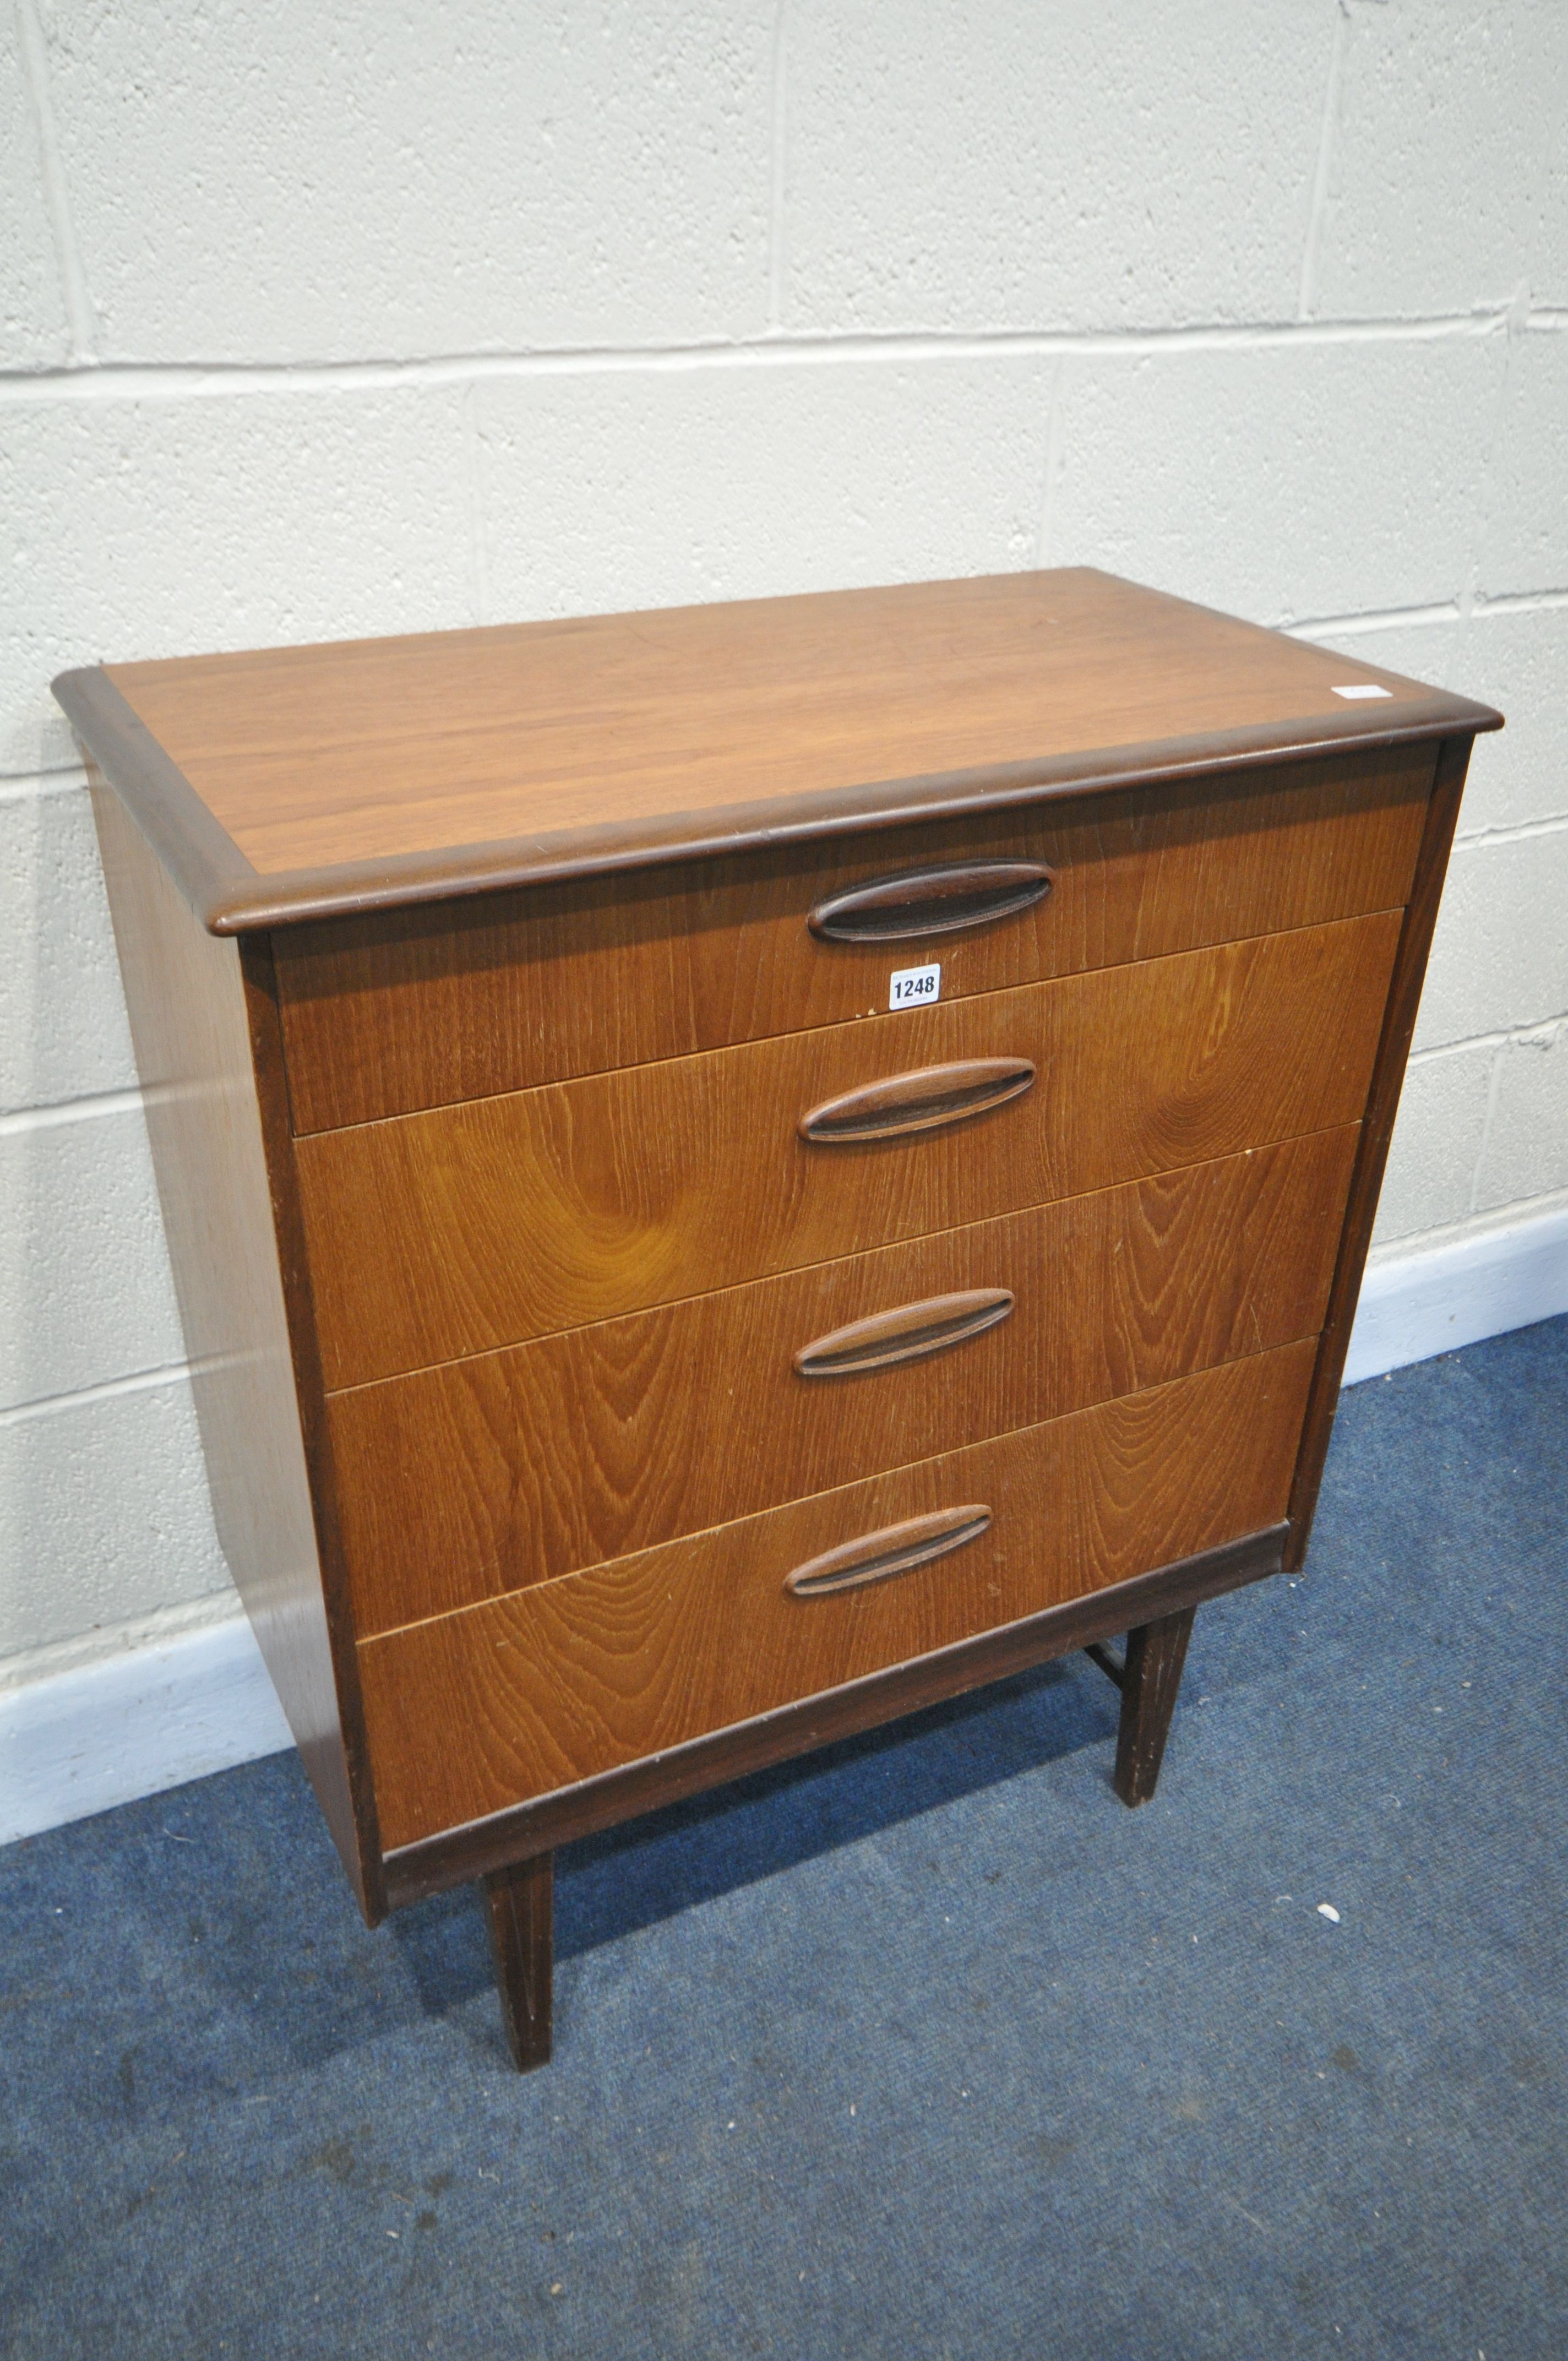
(735, 1171)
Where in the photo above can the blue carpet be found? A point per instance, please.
(925, 2048)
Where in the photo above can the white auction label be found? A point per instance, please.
(914, 987)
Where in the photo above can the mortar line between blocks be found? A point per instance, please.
(141, 1381)
(1052, 462)
(173, 381)
(1376, 619)
(1515, 602)
(1306, 295)
(776, 165)
(1551, 824)
(1486, 1222)
(1482, 531)
(1494, 1084)
(35, 787)
(79, 312)
(1495, 1040)
(1444, 610)
(473, 478)
(64, 1111)
(115, 1643)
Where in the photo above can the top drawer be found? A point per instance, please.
(423, 1007)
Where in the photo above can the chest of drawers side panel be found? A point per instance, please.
(207, 1053)
(423, 1007)
(474, 1226)
(473, 1712)
(1376, 1131)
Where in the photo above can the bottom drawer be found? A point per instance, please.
(479, 1710)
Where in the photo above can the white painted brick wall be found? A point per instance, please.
(657, 490)
(319, 320)
(318, 181)
(1277, 479)
(1525, 542)
(105, 1520)
(1075, 165)
(1446, 186)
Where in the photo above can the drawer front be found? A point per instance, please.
(453, 1232)
(473, 1712)
(420, 1008)
(475, 1480)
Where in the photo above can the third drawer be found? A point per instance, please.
(471, 1713)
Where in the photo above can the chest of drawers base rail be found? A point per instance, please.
(269, 822)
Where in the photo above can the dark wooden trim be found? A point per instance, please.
(198, 852)
(397, 882)
(277, 1138)
(912, 1332)
(459, 1854)
(1150, 1678)
(1114, 1668)
(927, 1099)
(1376, 1130)
(895, 1549)
(232, 897)
(912, 903)
(520, 1911)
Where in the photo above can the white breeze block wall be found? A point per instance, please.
(320, 319)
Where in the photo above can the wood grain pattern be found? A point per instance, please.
(667, 1421)
(379, 770)
(197, 1023)
(435, 1236)
(474, 1712)
(1383, 1105)
(420, 1007)
(431, 1864)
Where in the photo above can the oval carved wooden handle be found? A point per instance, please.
(909, 1333)
(896, 1549)
(918, 1101)
(930, 901)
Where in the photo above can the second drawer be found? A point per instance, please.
(476, 1479)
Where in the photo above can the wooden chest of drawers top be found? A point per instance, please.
(327, 781)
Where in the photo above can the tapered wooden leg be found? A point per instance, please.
(519, 1910)
(1151, 1674)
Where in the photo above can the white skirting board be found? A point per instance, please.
(1416, 1305)
(132, 1725)
(138, 1723)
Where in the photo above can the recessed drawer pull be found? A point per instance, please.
(919, 1101)
(909, 1333)
(930, 901)
(895, 1550)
